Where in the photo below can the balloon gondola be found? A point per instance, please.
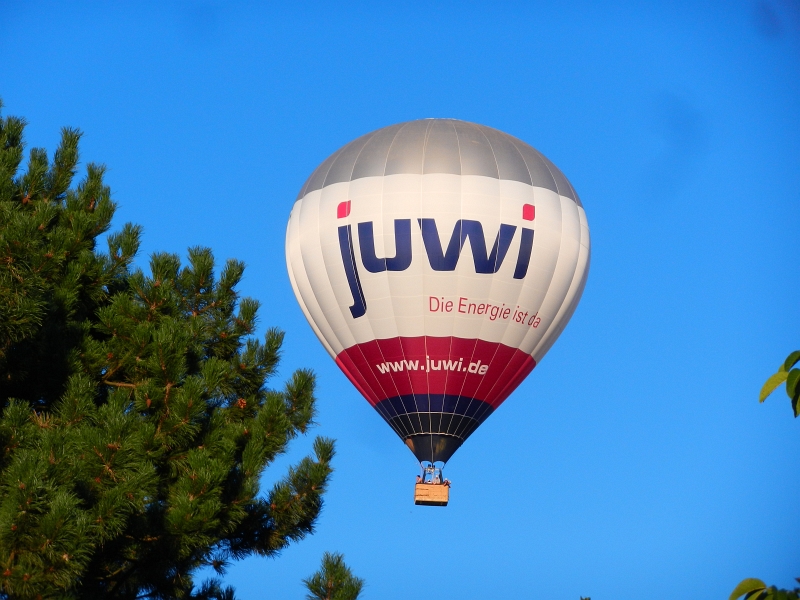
(437, 261)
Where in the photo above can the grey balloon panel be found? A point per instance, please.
(440, 146)
(407, 150)
(537, 165)
(372, 160)
(317, 179)
(342, 167)
(510, 164)
(441, 149)
(564, 186)
(477, 157)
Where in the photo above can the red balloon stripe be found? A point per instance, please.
(486, 371)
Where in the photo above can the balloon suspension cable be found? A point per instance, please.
(431, 474)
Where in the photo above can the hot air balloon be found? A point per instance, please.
(437, 261)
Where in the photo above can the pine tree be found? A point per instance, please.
(334, 580)
(136, 421)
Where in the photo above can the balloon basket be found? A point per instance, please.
(431, 494)
(432, 488)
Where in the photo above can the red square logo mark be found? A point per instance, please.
(343, 210)
(528, 212)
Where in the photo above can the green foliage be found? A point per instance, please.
(786, 373)
(755, 589)
(751, 588)
(333, 581)
(52, 279)
(136, 421)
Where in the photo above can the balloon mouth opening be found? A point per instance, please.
(433, 447)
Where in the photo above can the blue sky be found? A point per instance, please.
(636, 459)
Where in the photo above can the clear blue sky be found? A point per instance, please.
(635, 461)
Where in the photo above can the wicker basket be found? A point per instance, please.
(429, 494)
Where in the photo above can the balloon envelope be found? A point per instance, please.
(437, 261)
